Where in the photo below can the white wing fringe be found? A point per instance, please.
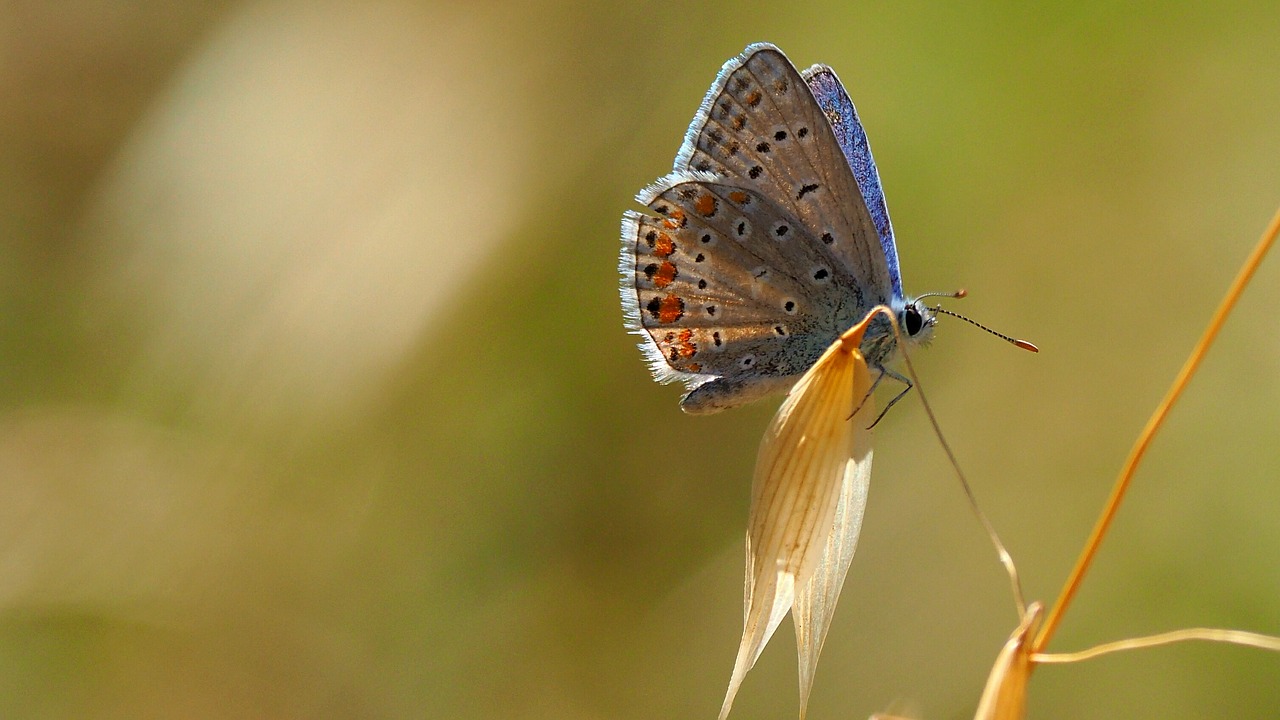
(807, 501)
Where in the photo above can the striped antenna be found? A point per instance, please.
(961, 293)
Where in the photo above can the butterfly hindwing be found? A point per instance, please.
(743, 286)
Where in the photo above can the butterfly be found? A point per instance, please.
(769, 238)
(768, 247)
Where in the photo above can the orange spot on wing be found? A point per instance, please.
(664, 245)
(705, 205)
(684, 344)
(738, 196)
(675, 219)
(670, 309)
(666, 274)
(678, 347)
(753, 98)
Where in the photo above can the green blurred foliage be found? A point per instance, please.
(317, 403)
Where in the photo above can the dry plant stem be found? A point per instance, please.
(1234, 637)
(1005, 558)
(1148, 433)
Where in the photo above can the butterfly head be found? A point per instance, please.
(916, 320)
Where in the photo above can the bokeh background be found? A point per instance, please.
(316, 401)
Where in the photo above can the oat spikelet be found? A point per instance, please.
(807, 500)
(1005, 696)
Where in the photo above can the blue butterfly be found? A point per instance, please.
(769, 238)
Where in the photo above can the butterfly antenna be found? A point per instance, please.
(958, 294)
(1019, 343)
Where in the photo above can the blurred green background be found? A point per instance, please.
(317, 401)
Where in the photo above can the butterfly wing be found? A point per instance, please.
(836, 105)
(761, 124)
(794, 256)
(731, 290)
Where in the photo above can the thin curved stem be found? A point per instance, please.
(1006, 559)
(1231, 637)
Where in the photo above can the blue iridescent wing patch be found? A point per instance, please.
(835, 103)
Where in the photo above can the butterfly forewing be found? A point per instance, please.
(761, 125)
(843, 118)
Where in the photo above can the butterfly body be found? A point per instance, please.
(769, 238)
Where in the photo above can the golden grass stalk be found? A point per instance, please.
(1005, 695)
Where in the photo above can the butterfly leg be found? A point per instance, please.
(875, 384)
(900, 378)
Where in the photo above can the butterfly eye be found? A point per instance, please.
(912, 320)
